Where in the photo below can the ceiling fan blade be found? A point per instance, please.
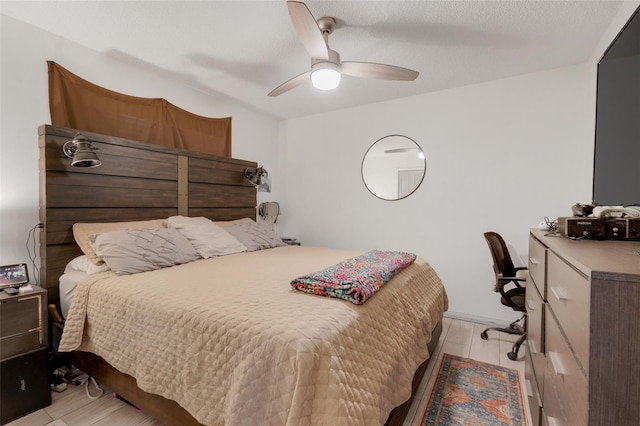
(377, 71)
(307, 30)
(290, 84)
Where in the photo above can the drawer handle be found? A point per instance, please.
(533, 261)
(532, 346)
(530, 305)
(528, 387)
(558, 293)
(556, 363)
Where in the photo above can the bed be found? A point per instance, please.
(224, 343)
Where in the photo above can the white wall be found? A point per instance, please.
(24, 106)
(500, 156)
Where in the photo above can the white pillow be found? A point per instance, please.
(84, 264)
(207, 238)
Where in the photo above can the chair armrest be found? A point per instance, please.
(502, 277)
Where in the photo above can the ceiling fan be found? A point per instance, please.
(326, 67)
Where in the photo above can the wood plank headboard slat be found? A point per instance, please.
(73, 214)
(111, 181)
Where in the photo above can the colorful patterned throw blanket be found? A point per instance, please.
(356, 279)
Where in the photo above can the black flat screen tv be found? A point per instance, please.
(616, 174)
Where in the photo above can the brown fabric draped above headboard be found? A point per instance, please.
(78, 104)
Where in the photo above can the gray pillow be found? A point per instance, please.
(254, 235)
(138, 250)
(207, 238)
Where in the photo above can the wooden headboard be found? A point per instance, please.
(136, 181)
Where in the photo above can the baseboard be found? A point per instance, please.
(478, 319)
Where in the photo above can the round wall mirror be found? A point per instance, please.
(393, 167)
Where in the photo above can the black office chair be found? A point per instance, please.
(508, 284)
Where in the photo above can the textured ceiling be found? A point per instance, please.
(244, 49)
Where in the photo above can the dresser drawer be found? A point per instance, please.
(552, 413)
(565, 396)
(532, 387)
(537, 265)
(569, 299)
(535, 327)
(543, 418)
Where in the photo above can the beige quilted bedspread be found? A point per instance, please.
(234, 344)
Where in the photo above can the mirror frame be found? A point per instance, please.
(364, 159)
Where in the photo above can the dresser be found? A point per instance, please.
(582, 362)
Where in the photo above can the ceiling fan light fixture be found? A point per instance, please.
(326, 67)
(325, 76)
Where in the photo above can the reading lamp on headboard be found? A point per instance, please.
(80, 151)
(254, 175)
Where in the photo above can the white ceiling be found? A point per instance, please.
(244, 49)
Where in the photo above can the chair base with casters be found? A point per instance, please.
(514, 328)
(510, 284)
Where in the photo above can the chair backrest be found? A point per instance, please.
(502, 263)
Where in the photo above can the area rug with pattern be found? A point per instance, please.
(474, 393)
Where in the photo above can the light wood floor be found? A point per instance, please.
(462, 338)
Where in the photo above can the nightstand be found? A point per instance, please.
(24, 381)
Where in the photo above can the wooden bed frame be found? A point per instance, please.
(139, 181)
